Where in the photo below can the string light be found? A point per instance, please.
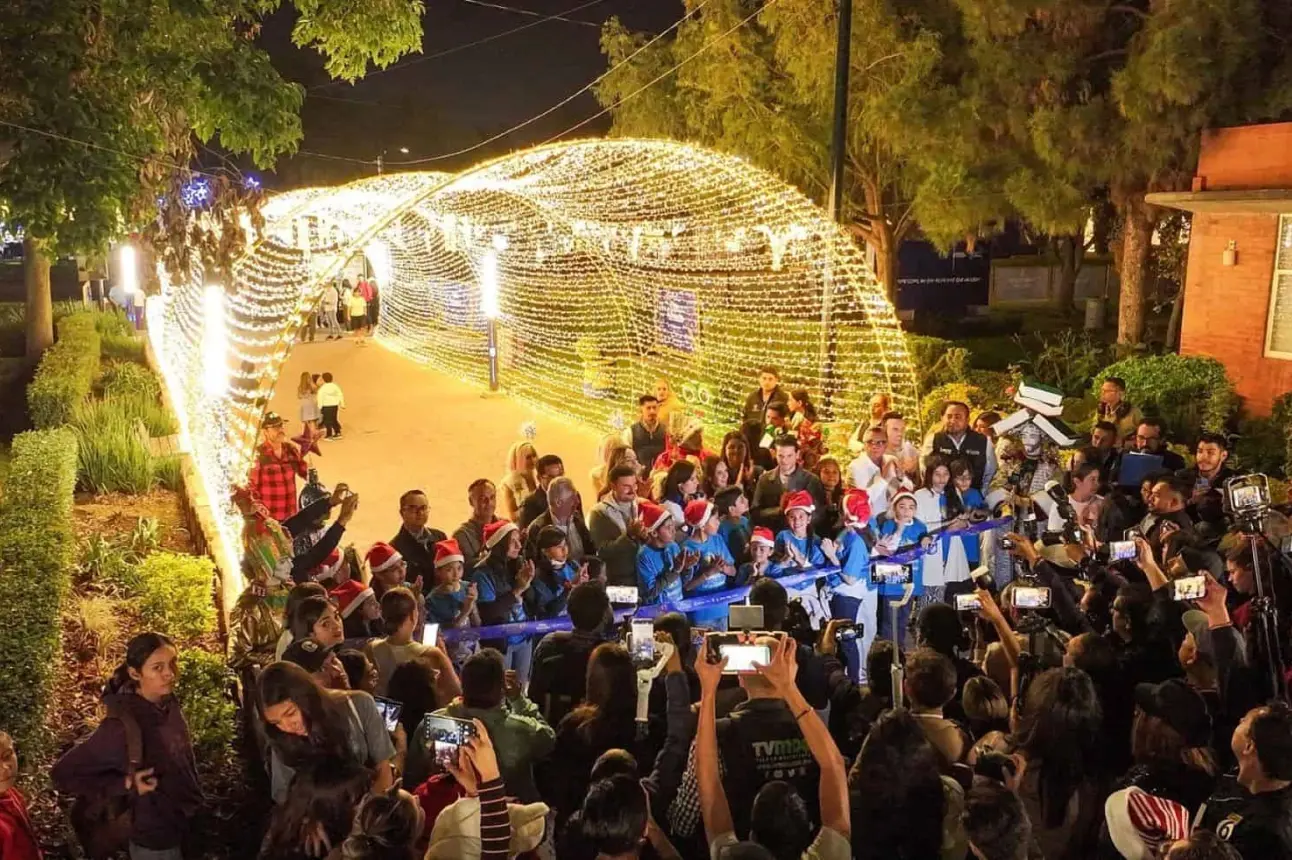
(128, 271)
(603, 265)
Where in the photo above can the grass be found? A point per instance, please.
(112, 457)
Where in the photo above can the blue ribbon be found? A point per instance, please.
(690, 604)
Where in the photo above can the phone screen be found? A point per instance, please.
(968, 602)
(888, 573)
(643, 641)
(742, 658)
(1031, 598)
(624, 595)
(431, 632)
(1120, 550)
(1190, 587)
(389, 709)
(445, 735)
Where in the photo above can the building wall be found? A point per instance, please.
(1226, 307)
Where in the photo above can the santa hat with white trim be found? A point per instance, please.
(331, 565)
(856, 507)
(497, 531)
(350, 595)
(382, 556)
(762, 535)
(447, 552)
(653, 516)
(799, 500)
(907, 491)
(697, 512)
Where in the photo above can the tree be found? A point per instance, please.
(102, 102)
(1114, 96)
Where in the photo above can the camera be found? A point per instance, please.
(1248, 499)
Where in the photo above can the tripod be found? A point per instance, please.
(1265, 613)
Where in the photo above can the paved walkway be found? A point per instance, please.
(408, 426)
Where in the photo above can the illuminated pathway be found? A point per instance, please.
(409, 426)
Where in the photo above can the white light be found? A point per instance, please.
(129, 274)
(489, 285)
(215, 342)
(404, 150)
(500, 242)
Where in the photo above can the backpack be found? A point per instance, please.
(569, 679)
(103, 824)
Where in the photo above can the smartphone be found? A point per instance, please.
(623, 595)
(1028, 597)
(1006, 543)
(889, 573)
(968, 603)
(1121, 550)
(430, 632)
(1134, 532)
(698, 635)
(744, 658)
(740, 617)
(642, 638)
(846, 632)
(445, 735)
(389, 709)
(1189, 587)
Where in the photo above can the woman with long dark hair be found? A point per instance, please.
(607, 719)
(806, 427)
(741, 470)
(899, 797)
(1056, 742)
(681, 485)
(502, 578)
(306, 723)
(161, 784)
(324, 795)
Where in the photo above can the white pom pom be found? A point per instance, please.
(529, 430)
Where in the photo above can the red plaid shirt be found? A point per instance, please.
(273, 479)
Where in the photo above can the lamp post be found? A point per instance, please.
(834, 203)
(489, 307)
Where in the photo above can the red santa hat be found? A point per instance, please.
(383, 556)
(697, 512)
(331, 565)
(447, 552)
(1140, 823)
(907, 491)
(762, 535)
(653, 516)
(856, 504)
(350, 595)
(497, 531)
(799, 500)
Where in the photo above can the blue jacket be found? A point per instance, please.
(714, 546)
(910, 537)
(655, 579)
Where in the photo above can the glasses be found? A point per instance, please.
(877, 442)
(1140, 437)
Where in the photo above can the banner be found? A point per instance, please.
(690, 604)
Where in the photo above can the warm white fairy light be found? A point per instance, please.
(215, 343)
(128, 269)
(608, 264)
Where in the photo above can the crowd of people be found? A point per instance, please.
(1101, 676)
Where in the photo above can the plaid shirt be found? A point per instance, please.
(273, 479)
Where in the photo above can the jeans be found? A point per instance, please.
(862, 610)
(327, 321)
(138, 852)
(331, 426)
(520, 657)
(886, 602)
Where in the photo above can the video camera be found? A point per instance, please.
(1247, 499)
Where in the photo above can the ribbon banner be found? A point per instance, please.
(704, 601)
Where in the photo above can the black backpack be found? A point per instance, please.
(103, 824)
(568, 668)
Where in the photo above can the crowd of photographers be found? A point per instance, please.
(768, 654)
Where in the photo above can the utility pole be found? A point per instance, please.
(834, 204)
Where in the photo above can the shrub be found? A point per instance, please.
(108, 565)
(123, 378)
(111, 322)
(124, 347)
(168, 474)
(203, 693)
(932, 404)
(1190, 392)
(112, 456)
(66, 372)
(175, 594)
(937, 361)
(1067, 359)
(37, 544)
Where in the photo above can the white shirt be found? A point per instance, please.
(1055, 521)
(865, 474)
(330, 395)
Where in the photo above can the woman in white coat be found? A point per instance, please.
(947, 562)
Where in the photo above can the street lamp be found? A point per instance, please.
(489, 307)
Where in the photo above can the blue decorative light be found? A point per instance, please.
(196, 193)
(251, 182)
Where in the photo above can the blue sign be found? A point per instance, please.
(677, 320)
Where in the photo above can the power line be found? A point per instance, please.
(456, 48)
(90, 145)
(531, 13)
(598, 79)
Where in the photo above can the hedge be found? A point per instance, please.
(176, 594)
(66, 372)
(1189, 392)
(203, 693)
(37, 551)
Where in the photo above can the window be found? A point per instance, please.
(1278, 334)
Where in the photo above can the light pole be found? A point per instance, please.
(834, 204)
(489, 307)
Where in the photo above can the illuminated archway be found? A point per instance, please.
(611, 262)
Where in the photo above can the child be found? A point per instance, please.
(660, 560)
(450, 603)
(358, 314)
(712, 572)
(17, 837)
(760, 564)
(855, 596)
(555, 577)
(796, 548)
(899, 530)
(970, 499)
(331, 399)
(360, 610)
(399, 619)
(733, 525)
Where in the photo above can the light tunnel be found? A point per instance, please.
(611, 263)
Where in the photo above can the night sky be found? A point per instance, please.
(439, 105)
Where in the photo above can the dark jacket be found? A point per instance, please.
(558, 676)
(753, 417)
(534, 506)
(544, 520)
(765, 510)
(304, 563)
(1257, 825)
(419, 557)
(97, 767)
(1210, 508)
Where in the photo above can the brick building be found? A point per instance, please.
(1238, 290)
